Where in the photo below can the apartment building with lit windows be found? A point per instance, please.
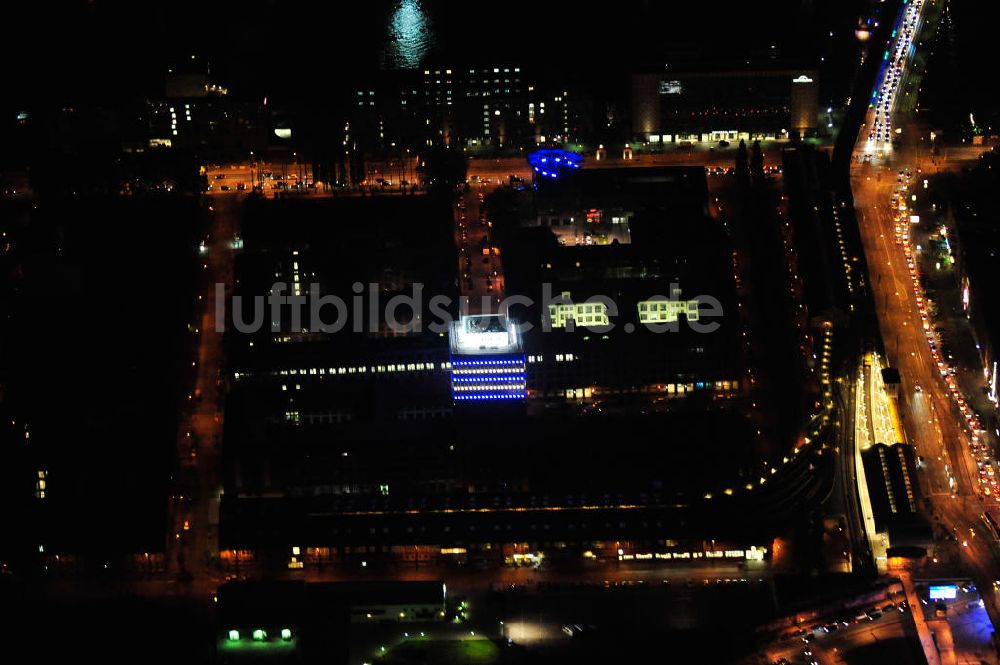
(473, 107)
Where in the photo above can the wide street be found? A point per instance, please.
(889, 637)
(882, 167)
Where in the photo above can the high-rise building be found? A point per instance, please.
(487, 359)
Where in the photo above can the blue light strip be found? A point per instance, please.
(492, 361)
(487, 385)
(489, 379)
(491, 396)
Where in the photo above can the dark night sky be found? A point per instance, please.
(76, 49)
(101, 51)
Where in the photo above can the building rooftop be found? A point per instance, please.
(894, 488)
(484, 334)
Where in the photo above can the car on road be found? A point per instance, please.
(578, 629)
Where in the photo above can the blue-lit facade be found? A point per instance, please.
(487, 360)
(488, 378)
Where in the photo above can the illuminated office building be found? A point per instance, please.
(729, 105)
(487, 359)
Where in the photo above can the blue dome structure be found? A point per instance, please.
(554, 163)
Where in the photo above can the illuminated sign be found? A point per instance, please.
(943, 592)
(670, 87)
(486, 334)
(753, 554)
(993, 384)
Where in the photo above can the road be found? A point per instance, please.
(858, 642)
(193, 544)
(275, 176)
(928, 402)
(479, 263)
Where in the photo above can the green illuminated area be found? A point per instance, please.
(469, 651)
(596, 314)
(667, 311)
(583, 314)
(257, 639)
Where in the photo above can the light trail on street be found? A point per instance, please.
(927, 400)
